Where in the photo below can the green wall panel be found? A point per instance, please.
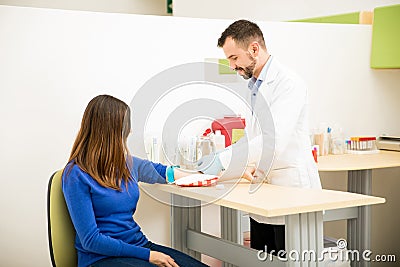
(349, 18)
(385, 52)
(223, 67)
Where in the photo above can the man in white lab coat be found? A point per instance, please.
(285, 93)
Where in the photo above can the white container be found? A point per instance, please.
(204, 146)
(219, 140)
(337, 141)
(155, 150)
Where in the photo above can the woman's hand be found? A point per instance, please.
(161, 259)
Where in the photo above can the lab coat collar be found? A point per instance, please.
(265, 75)
(272, 72)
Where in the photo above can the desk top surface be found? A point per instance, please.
(346, 162)
(268, 200)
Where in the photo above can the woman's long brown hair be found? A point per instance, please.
(100, 147)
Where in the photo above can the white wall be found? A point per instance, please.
(147, 7)
(272, 10)
(53, 62)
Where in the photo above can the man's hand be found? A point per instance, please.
(249, 173)
(252, 174)
(161, 259)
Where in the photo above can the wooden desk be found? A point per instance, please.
(353, 162)
(302, 209)
(359, 169)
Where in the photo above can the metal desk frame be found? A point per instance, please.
(304, 232)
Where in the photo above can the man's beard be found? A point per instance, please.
(249, 70)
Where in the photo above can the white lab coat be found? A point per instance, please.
(293, 165)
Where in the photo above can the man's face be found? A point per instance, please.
(240, 59)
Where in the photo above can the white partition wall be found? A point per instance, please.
(153, 7)
(272, 10)
(53, 62)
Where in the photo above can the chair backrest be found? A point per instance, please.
(61, 232)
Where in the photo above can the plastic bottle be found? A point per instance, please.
(204, 145)
(337, 141)
(327, 141)
(322, 139)
(219, 140)
(155, 150)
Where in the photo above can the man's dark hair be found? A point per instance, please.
(243, 32)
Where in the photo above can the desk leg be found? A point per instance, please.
(304, 239)
(359, 230)
(230, 227)
(186, 214)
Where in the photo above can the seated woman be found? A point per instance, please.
(100, 186)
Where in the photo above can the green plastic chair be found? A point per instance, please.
(61, 232)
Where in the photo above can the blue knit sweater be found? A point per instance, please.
(102, 217)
